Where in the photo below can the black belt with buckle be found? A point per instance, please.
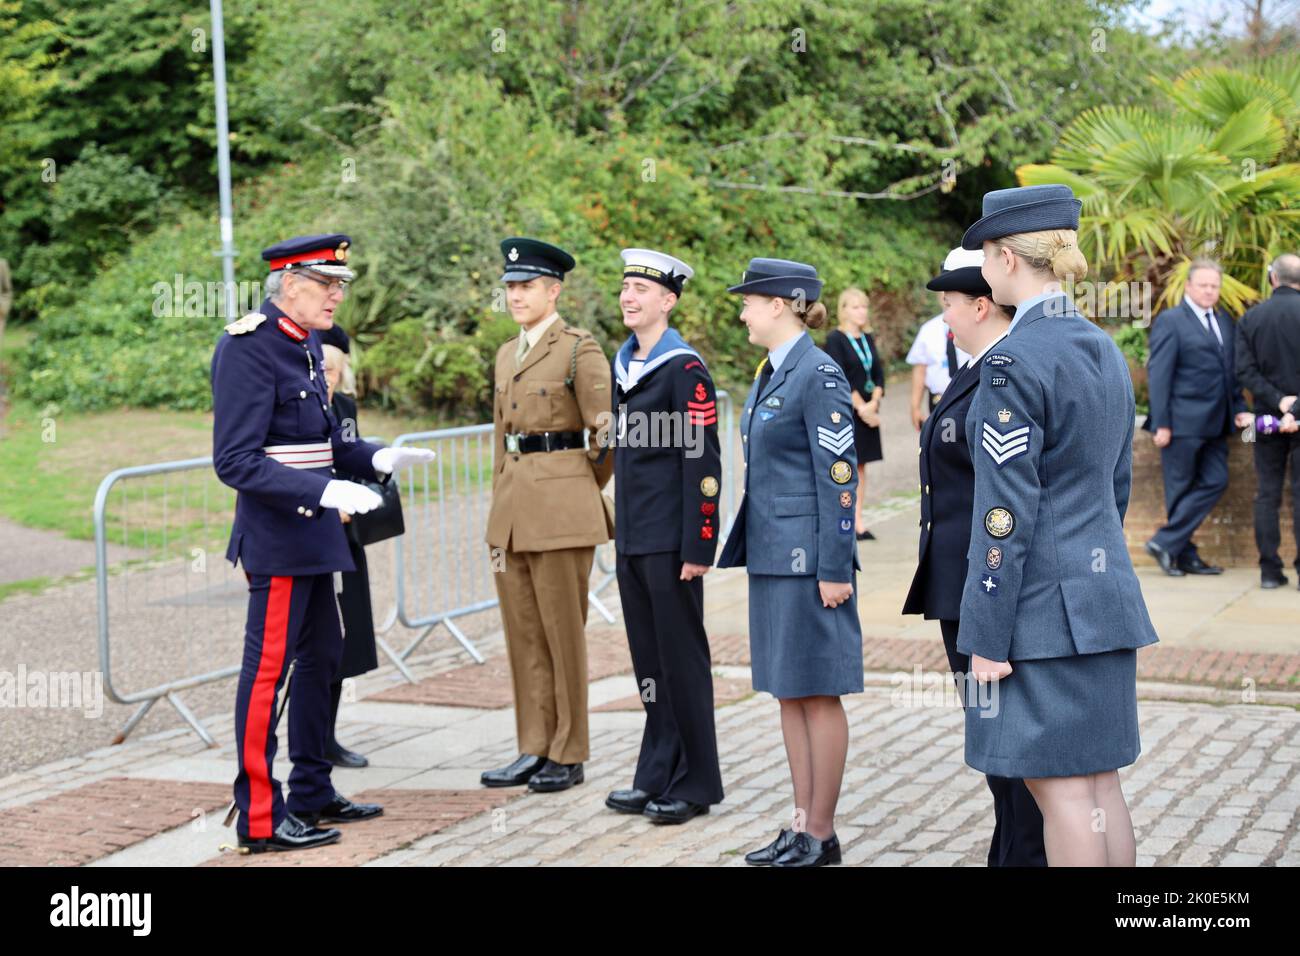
(546, 441)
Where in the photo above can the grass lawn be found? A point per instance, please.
(51, 463)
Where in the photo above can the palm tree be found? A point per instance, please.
(1212, 173)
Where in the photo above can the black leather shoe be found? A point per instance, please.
(515, 775)
(291, 834)
(340, 756)
(340, 810)
(670, 810)
(1194, 565)
(1165, 560)
(810, 851)
(628, 801)
(556, 776)
(1268, 581)
(866, 536)
(767, 854)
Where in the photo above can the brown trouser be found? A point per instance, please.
(544, 609)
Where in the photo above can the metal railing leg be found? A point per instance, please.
(138, 716)
(396, 659)
(174, 699)
(600, 607)
(465, 642)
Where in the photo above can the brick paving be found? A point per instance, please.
(77, 826)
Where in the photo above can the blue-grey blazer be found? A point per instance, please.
(1051, 435)
(797, 516)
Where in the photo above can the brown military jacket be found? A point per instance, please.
(544, 501)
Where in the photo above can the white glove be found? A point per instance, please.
(390, 460)
(350, 497)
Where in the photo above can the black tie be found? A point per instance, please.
(765, 376)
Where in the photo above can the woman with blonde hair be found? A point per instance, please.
(854, 349)
(1052, 613)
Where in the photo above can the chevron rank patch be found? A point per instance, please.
(837, 441)
(1004, 446)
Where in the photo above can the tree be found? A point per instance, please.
(1205, 175)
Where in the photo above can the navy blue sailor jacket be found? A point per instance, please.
(797, 515)
(276, 440)
(1051, 437)
(666, 491)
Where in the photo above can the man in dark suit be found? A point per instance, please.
(1195, 401)
(1268, 363)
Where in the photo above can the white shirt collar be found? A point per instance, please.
(1197, 310)
(975, 359)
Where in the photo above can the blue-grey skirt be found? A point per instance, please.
(798, 647)
(1056, 717)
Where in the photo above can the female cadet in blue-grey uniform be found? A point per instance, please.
(666, 531)
(275, 440)
(1052, 610)
(947, 492)
(795, 534)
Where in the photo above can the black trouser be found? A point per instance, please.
(664, 616)
(1272, 452)
(1018, 832)
(1195, 474)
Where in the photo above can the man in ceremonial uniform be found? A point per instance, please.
(667, 479)
(552, 385)
(275, 441)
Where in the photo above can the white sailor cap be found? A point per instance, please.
(668, 271)
(960, 258)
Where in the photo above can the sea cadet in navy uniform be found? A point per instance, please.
(795, 532)
(947, 493)
(275, 441)
(666, 484)
(1052, 611)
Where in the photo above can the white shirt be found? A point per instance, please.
(634, 367)
(1206, 323)
(931, 350)
(985, 351)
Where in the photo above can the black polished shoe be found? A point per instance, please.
(340, 756)
(1194, 565)
(1269, 581)
(767, 854)
(807, 850)
(628, 801)
(340, 810)
(1165, 560)
(515, 775)
(556, 776)
(291, 834)
(670, 810)
(866, 536)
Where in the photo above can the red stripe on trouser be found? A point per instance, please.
(261, 706)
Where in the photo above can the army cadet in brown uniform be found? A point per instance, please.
(548, 515)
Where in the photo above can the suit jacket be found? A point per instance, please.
(1192, 380)
(548, 500)
(268, 389)
(666, 486)
(797, 516)
(1051, 433)
(947, 499)
(1268, 350)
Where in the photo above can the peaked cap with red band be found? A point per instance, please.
(325, 254)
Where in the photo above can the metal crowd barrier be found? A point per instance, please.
(171, 521)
